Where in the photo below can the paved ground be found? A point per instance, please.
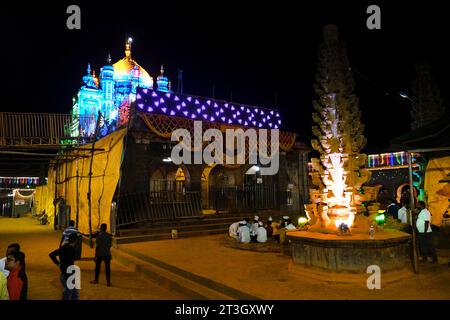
(263, 274)
(43, 276)
(267, 274)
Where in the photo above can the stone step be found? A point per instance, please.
(187, 288)
(168, 229)
(168, 235)
(190, 284)
(191, 221)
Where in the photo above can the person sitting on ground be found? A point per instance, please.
(254, 228)
(244, 232)
(290, 225)
(248, 224)
(261, 233)
(17, 280)
(11, 248)
(283, 222)
(232, 231)
(269, 228)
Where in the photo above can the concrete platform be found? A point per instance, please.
(350, 253)
(203, 268)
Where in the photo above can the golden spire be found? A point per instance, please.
(162, 70)
(128, 48)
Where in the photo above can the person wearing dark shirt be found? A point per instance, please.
(269, 228)
(17, 282)
(103, 253)
(66, 256)
(392, 209)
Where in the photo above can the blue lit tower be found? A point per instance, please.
(107, 85)
(163, 82)
(111, 93)
(89, 100)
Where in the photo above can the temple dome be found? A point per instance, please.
(124, 69)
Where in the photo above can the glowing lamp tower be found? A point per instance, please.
(339, 133)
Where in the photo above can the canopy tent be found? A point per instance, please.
(433, 141)
(433, 135)
(437, 192)
(71, 181)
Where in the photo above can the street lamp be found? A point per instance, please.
(405, 96)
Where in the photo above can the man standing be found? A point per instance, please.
(65, 238)
(423, 225)
(103, 253)
(3, 287)
(66, 256)
(67, 232)
(11, 248)
(17, 280)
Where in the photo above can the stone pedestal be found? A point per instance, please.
(349, 253)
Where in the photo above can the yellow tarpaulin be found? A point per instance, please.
(437, 193)
(105, 176)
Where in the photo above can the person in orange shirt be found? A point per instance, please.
(276, 226)
(17, 282)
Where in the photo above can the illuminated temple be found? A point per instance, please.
(139, 114)
(134, 183)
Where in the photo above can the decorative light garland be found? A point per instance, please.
(197, 108)
(392, 159)
(18, 181)
(17, 192)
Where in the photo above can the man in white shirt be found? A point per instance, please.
(254, 228)
(11, 248)
(243, 232)
(423, 225)
(404, 212)
(261, 233)
(232, 231)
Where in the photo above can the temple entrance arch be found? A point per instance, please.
(169, 177)
(403, 193)
(240, 189)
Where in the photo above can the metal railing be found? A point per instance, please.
(155, 205)
(247, 197)
(40, 128)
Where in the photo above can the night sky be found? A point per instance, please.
(252, 49)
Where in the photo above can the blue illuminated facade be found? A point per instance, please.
(114, 90)
(125, 82)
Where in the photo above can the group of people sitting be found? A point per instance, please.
(258, 231)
